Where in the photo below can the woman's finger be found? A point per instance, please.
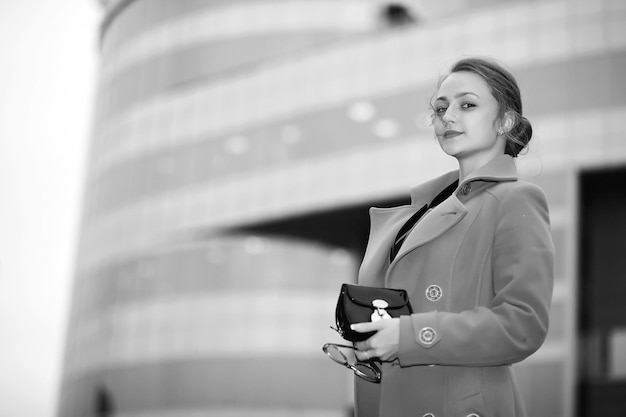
(363, 355)
(361, 346)
(366, 326)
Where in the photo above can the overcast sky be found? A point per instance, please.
(48, 53)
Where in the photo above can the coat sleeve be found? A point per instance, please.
(515, 324)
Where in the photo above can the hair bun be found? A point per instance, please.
(519, 136)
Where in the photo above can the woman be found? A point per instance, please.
(475, 254)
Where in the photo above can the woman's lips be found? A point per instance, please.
(450, 134)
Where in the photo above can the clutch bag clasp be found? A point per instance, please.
(379, 310)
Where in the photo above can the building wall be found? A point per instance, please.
(213, 116)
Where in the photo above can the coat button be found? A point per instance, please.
(434, 293)
(466, 189)
(427, 335)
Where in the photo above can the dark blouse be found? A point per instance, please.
(410, 224)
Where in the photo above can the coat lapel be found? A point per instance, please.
(433, 225)
(385, 224)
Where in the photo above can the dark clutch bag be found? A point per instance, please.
(357, 304)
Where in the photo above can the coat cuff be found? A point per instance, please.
(418, 333)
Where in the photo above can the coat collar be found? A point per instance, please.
(387, 222)
(502, 168)
(452, 210)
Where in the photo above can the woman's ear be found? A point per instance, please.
(508, 121)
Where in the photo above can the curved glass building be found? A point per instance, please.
(236, 148)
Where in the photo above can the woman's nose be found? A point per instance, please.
(448, 117)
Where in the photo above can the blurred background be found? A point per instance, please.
(233, 149)
(48, 64)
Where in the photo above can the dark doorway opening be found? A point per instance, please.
(602, 293)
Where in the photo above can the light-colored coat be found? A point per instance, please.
(479, 272)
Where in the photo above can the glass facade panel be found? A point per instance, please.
(329, 130)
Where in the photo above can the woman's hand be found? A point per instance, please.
(383, 344)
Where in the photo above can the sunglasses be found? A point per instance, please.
(345, 355)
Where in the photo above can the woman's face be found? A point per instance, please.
(465, 114)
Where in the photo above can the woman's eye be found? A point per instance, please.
(467, 105)
(440, 110)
